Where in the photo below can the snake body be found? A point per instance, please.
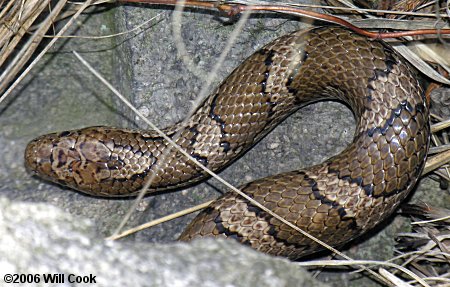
(334, 201)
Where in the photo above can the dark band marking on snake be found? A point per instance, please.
(335, 201)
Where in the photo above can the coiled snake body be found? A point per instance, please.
(335, 201)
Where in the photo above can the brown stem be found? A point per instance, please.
(232, 10)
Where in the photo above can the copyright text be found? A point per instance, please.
(49, 278)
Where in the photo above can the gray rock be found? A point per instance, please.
(41, 239)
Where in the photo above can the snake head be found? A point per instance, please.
(79, 159)
(100, 161)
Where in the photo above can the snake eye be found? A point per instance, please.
(49, 154)
(38, 155)
(64, 133)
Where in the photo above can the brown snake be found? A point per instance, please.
(334, 201)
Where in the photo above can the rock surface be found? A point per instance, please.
(46, 240)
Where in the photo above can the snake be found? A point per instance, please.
(335, 201)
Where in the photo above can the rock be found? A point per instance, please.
(40, 239)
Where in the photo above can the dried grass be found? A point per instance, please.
(426, 249)
(17, 44)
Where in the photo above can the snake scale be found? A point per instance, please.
(334, 201)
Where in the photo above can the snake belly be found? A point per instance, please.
(334, 201)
